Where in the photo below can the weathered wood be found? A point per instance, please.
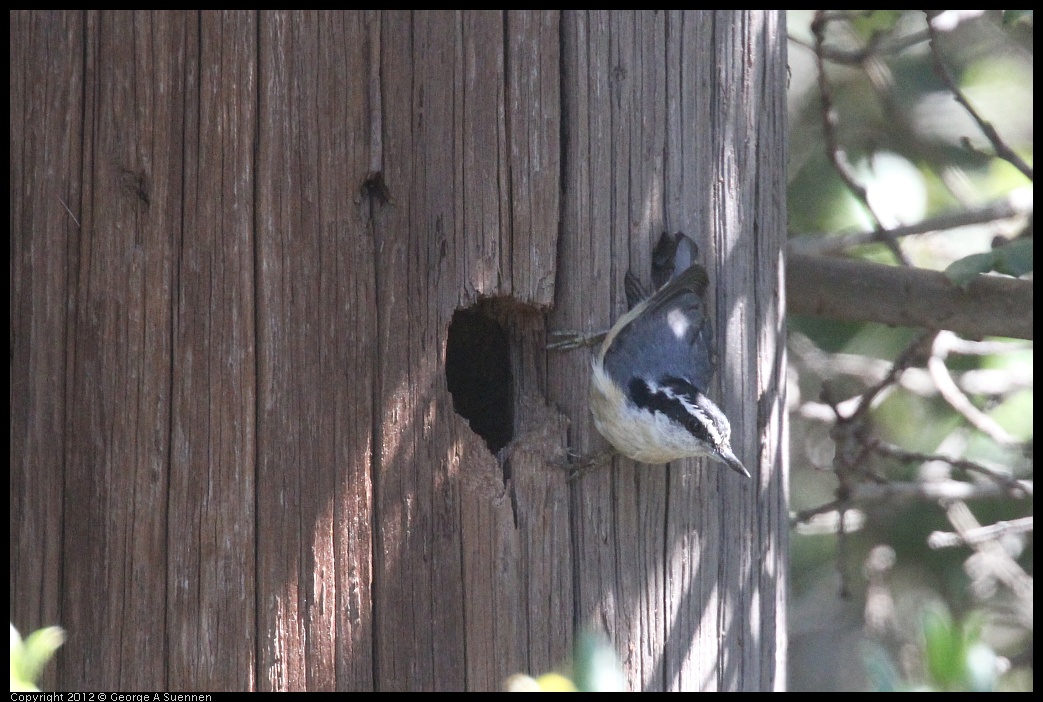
(236, 463)
(46, 161)
(316, 335)
(613, 69)
(211, 563)
(533, 84)
(117, 534)
(451, 134)
(418, 592)
(673, 122)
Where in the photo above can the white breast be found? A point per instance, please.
(647, 437)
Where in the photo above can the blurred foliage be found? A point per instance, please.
(595, 667)
(918, 154)
(952, 658)
(1013, 259)
(954, 653)
(28, 657)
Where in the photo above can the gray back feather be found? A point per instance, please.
(649, 346)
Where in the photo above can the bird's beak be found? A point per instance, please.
(726, 456)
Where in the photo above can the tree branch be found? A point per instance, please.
(837, 156)
(949, 539)
(991, 562)
(835, 243)
(956, 398)
(1016, 487)
(927, 491)
(912, 297)
(1002, 150)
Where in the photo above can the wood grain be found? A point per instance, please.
(238, 241)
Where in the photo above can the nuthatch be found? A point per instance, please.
(649, 379)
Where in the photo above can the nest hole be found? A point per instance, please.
(478, 373)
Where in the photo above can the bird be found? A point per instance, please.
(650, 375)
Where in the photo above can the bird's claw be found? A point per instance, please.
(579, 465)
(568, 340)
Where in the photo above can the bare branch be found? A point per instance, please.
(1014, 486)
(933, 491)
(1002, 150)
(826, 520)
(869, 51)
(928, 491)
(955, 397)
(908, 357)
(948, 539)
(980, 381)
(837, 156)
(991, 562)
(973, 347)
(807, 515)
(831, 243)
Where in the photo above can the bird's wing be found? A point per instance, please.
(669, 336)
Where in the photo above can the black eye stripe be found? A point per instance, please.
(667, 400)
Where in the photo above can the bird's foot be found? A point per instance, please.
(568, 340)
(579, 465)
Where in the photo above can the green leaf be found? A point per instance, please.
(943, 649)
(1013, 259)
(873, 22)
(966, 269)
(28, 657)
(956, 658)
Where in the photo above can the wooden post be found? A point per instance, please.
(239, 241)
(675, 121)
